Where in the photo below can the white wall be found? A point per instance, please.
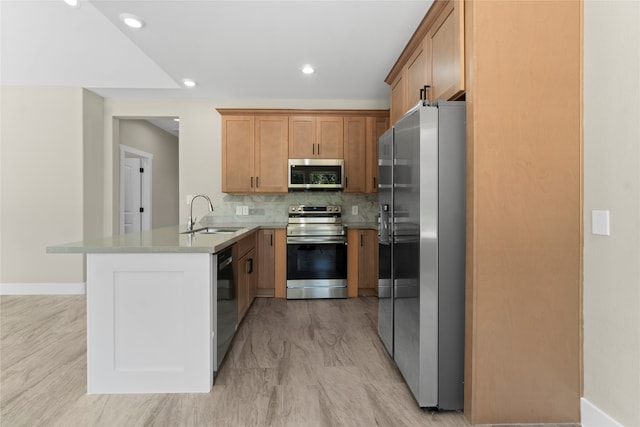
(42, 183)
(612, 182)
(144, 136)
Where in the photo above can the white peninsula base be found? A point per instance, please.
(150, 322)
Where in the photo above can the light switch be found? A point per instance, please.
(245, 210)
(600, 223)
(354, 210)
(238, 210)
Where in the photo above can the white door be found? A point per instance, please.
(132, 195)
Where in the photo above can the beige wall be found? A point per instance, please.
(612, 182)
(42, 183)
(93, 164)
(144, 136)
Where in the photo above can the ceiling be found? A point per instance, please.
(232, 49)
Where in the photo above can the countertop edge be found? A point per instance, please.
(111, 245)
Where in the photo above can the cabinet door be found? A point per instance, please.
(251, 267)
(266, 263)
(280, 243)
(237, 154)
(302, 137)
(417, 74)
(329, 137)
(354, 154)
(398, 97)
(446, 45)
(242, 287)
(271, 152)
(376, 126)
(367, 262)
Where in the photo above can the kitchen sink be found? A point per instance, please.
(214, 230)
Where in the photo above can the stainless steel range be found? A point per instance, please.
(316, 253)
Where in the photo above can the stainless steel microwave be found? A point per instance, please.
(316, 174)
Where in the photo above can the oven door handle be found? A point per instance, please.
(318, 240)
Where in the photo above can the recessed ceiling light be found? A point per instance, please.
(73, 3)
(176, 119)
(132, 21)
(188, 82)
(308, 69)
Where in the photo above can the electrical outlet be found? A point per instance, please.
(245, 210)
(189, 197)
(238, 210)
(354, 210)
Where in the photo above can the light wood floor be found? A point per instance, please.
(292, 363)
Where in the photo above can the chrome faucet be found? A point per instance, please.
(191, 221)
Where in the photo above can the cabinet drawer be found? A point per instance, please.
(246, 244)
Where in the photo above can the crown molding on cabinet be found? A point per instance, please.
(292, 112)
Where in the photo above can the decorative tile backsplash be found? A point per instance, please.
(273, 207)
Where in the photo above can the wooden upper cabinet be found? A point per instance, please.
(329, 137)
(257, 143)
(271, 153)
(417, 73)
(445, 41)
(237, 153)
(302, 137)
(355, 160)
(434, 56)
(254, 154)
(376, 126)
(399, 104)
(315, 137)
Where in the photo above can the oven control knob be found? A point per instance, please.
(299, 209)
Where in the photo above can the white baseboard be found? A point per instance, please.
(592, 416)
(42, 288)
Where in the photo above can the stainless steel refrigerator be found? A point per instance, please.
(422, 180)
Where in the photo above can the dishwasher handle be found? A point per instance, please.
(224, 263)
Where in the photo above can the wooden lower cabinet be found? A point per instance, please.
(245, 271)
(280, 239)
(261, 265)
(266, 263)
(362, 260)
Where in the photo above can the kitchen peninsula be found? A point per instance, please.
(151, 308)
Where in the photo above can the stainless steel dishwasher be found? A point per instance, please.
(226, 306)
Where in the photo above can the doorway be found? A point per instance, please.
(136, 174)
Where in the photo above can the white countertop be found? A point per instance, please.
(161, 240)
